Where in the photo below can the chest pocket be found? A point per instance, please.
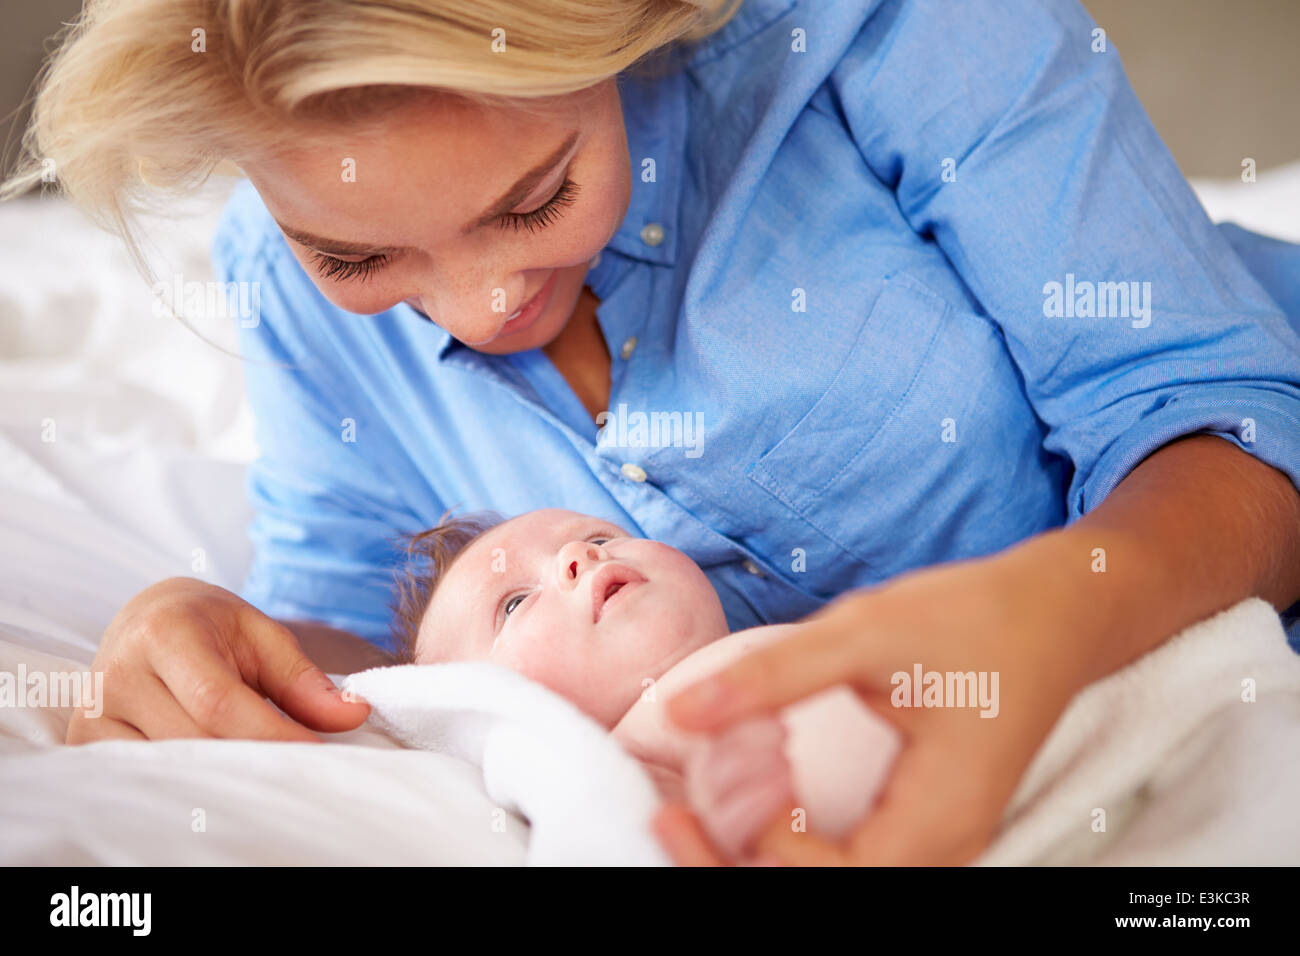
(839, 467)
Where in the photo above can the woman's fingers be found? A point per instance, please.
(154, 710)
(184, 658)
(915, 822)
(822, 653)
(781, 844)
(87, 730)
(214, 695)
(301, 689)
(142, 708)
(682, 836)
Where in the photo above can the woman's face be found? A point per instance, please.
(421, 207)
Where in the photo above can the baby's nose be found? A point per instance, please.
(574, 559)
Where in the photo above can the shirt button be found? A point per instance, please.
(634, 472)
(628, 348)
(652, 234)
(752, 568)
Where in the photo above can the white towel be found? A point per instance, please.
(1186, 771)
(588, 800)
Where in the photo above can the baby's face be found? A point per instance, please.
(574, 603)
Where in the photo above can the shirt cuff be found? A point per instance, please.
(1265, 424)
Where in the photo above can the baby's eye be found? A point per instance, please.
(514, 602)
(600, 540)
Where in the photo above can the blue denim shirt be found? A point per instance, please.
(926, 282)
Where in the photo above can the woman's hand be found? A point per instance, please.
(957, 770)
(1058, 611)
(184, 658)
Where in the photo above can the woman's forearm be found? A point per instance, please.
(1195, 528)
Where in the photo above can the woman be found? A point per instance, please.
(891, 285)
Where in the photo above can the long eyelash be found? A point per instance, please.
(332, 268)
(543, 217)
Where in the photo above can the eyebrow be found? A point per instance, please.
(511, 198)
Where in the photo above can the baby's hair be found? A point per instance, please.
(429, 556)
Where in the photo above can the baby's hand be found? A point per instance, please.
(737, 782)
(824, 758)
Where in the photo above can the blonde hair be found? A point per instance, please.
(429, 556)
(143, 100)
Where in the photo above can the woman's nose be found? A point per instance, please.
(474, 317)
(574, 559)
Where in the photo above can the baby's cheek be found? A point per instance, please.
(519, 656)
(664, 557)
(544, 665)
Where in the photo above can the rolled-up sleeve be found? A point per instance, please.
(323, 513)
(1012, 137)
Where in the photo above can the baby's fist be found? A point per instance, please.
(737, 781)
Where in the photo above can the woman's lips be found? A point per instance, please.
(526, 314)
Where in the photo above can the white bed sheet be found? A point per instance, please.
(143, 480)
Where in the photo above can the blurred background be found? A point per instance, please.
(1219, 77)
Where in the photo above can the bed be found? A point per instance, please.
(123, 442)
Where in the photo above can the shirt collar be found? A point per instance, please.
(654, 115)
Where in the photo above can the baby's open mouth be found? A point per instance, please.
(608, 583)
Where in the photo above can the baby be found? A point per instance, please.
(618, 625)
